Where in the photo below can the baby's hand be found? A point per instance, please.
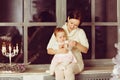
(72, 43)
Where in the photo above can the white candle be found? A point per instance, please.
(10, 48)
(3, 48)
(17, 48)
(14, 51)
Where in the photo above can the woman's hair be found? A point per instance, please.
(75, 14)
(58, 29)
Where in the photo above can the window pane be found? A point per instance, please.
(87, 30)
(106, 37)
(11, 10)
(84, 5)
(43, 11)
(11, 36)
(106, 10)
(38, 37)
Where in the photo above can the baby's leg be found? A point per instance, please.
(64, 65)
(52, 68)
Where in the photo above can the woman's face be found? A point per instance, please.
(73, 24)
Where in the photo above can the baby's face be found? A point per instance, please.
(61, 36)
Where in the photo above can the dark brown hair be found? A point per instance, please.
(75, 14)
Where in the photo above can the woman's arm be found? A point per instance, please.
(51, 51)
(81, 47)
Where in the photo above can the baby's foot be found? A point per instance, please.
(50, 72)
(47, 71)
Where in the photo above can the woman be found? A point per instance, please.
(78, 41)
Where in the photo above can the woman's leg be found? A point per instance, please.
(70, 71)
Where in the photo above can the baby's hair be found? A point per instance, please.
(58, 29)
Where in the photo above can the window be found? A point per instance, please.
(38, 35)
(11, 29)
(100, 24)
(30, 23)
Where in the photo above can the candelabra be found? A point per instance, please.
(9, 51)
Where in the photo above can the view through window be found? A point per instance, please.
(30, 24)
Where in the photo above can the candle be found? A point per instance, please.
(17, 48)
(3, 48)
(14, 51)
(10, 48)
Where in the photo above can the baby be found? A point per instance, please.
(61, 58)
